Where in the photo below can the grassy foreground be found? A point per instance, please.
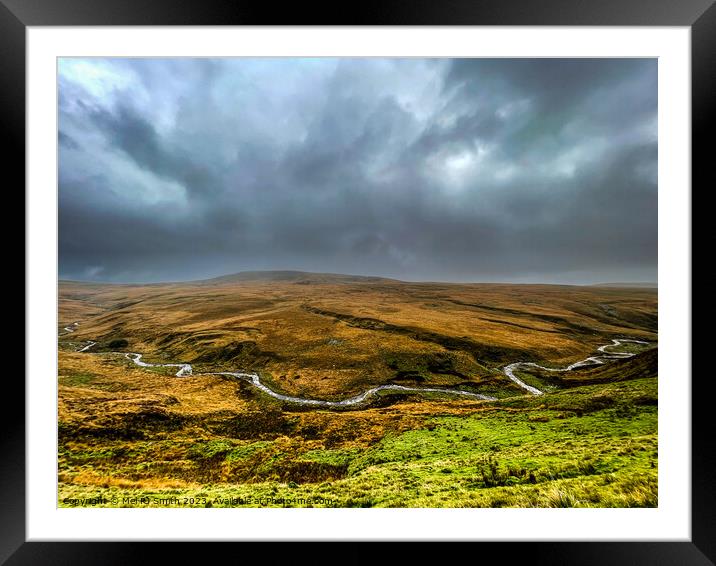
(593, 446)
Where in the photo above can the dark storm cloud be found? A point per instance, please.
(470, 169)
(135, 136)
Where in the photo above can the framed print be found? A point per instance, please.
(399, 278)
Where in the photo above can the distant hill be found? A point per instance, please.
(299, 277)
(645, 285)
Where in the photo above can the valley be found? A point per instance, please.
(359, 391)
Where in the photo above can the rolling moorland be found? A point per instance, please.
(138, 435)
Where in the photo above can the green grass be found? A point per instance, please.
(629, 347)
(333, 457)
(91, 380)
(531, 379)
(593, 446)
(610, 490)
(78, 379)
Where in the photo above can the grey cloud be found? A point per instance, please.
(474, 170)
(136, 137)
(67, 141)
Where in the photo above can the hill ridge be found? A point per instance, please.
(295, 275)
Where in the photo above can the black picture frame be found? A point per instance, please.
(17, 15)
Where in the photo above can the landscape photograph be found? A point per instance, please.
(357, 282)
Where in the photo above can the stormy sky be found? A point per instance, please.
(539, 170)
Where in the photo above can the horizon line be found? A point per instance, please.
(646, 284)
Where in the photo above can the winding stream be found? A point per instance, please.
(509, 370)
(254, 379)
(90, 343)
(71, 328)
